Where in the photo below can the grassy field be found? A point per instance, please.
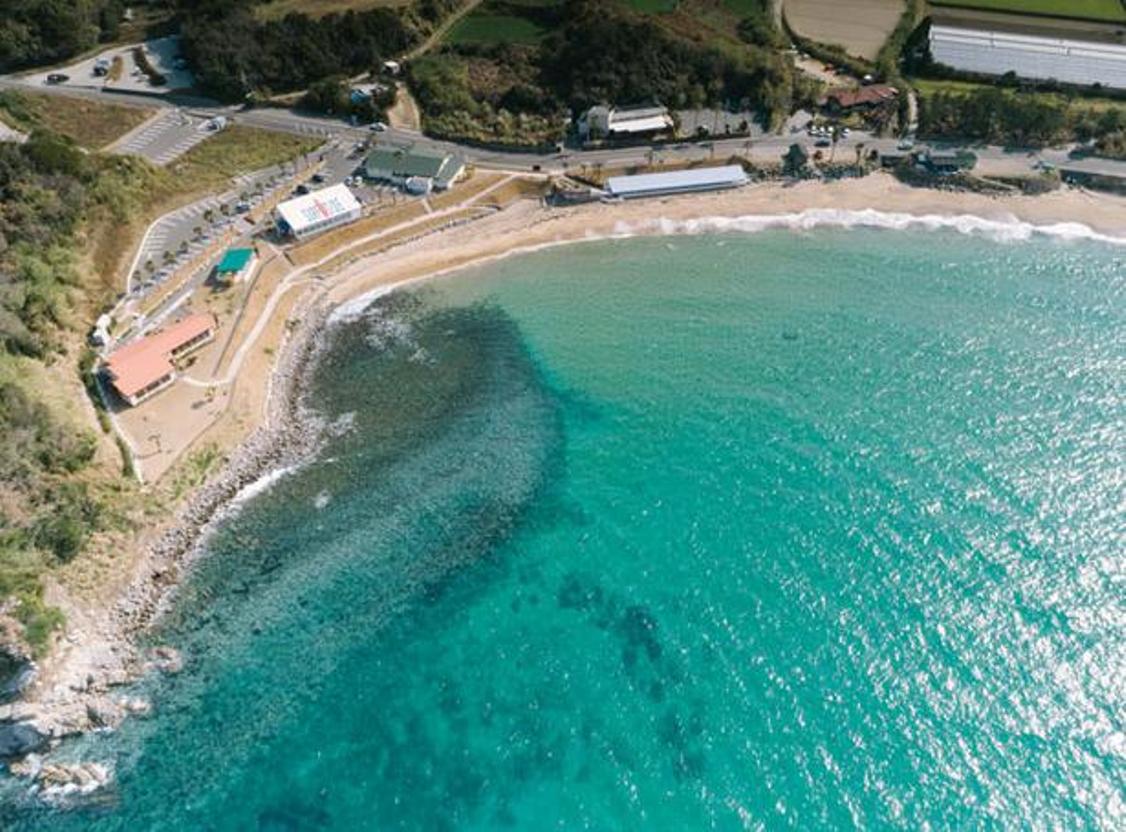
(927, 86)
(1103, 10)
(92, 124)
(482, 27)
(209, 164)
(276, 9)
(652, 6)
(501, 21)
(860, 26)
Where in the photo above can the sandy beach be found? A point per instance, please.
(98, 650)
(806, 204)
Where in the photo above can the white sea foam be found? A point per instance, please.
(259, 486)
(354, 308)
(1007, 230)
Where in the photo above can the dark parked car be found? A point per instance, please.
(57, 78)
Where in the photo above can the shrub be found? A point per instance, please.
(141, 58)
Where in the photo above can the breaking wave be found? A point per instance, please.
(1009, 230)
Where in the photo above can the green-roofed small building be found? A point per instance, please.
(419, 171)
(237, 264)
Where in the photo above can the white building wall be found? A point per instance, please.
(1039, 58)
(326, 224)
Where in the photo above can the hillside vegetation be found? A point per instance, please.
(513, 71)
(50, 503)
(91, 124)
(234, 52)
(1111, 11)
(42, 31)
(1018, 118)
(65, 222)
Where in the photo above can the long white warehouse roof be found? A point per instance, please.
(677, 181)
(648, 124)
(312, 209)
(1029, 56)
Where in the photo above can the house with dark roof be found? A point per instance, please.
(943, 163)
(845, 100)
(417, 170)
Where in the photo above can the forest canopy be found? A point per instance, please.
(233, 52)
(43, 31)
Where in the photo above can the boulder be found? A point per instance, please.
(103, 713)
(59, 781)
(166, 660)
(135, 705)
(28, 767)
(21, 738)
(19, 712)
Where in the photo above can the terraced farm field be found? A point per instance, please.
(1111, 11)
(860, 26)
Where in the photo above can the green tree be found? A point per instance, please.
(795, 160)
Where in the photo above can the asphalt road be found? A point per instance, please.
(767, 147)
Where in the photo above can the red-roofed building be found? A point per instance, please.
(845, 100)
(144, 368)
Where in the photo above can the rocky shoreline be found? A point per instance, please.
(110, 656)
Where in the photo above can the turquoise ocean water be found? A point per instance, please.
(785, 530)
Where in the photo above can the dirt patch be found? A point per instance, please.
(860, 26)
(404, 113)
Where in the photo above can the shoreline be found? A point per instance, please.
(102, 651)
(1067, 213)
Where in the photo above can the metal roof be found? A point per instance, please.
(146, 361)
(645, 124)
(995, 52)
(694, 179)
(314, 208)
(404, 161)
(235, 260)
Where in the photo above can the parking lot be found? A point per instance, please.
(96, 71)
(164, 138)
(177, 238)
(343, 161)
